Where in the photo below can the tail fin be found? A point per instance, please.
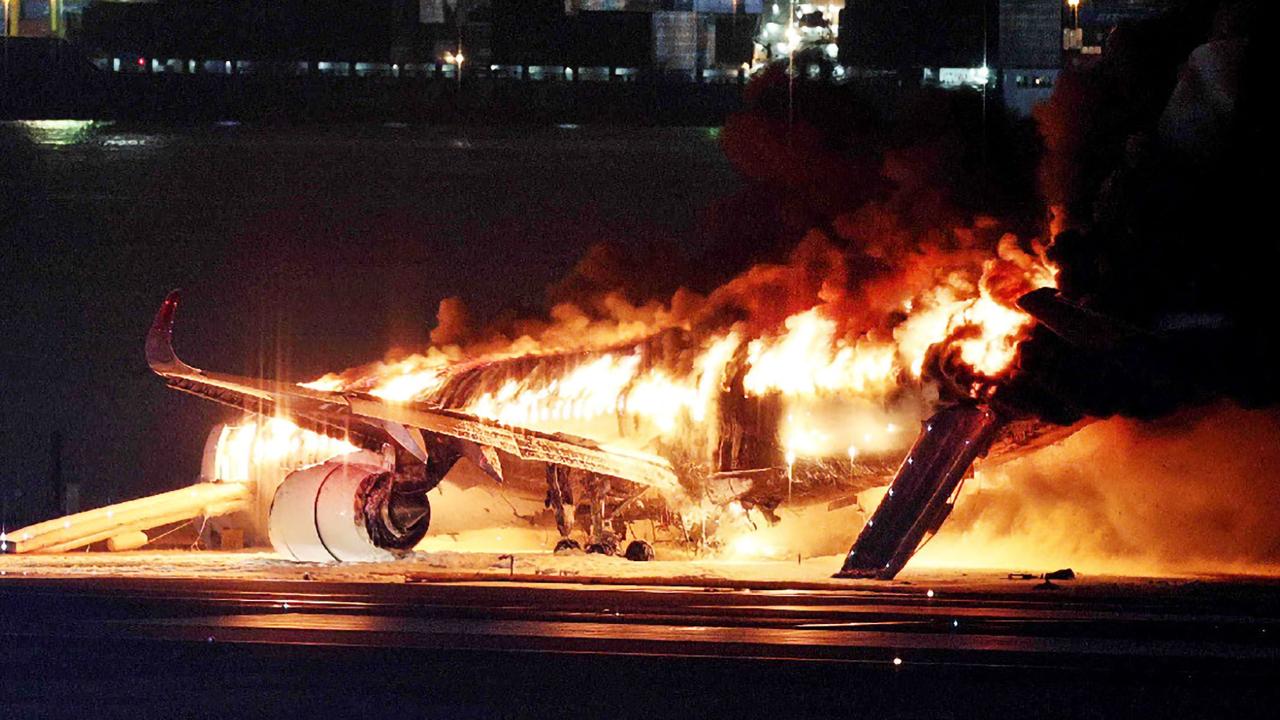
(159, 346)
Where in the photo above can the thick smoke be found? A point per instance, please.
(1193, 493)
(855, 200)
(1156, 167)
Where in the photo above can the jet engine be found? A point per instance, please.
(351, 508)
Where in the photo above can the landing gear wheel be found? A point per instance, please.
(606, 546)
(567, 546)
(639, 551)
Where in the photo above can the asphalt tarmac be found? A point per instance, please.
(145, 647)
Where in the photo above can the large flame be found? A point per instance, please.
(846, 373)
(845, 389)
(253, 450)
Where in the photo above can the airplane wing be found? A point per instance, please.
(370, 420)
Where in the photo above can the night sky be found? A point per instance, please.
(299, 251)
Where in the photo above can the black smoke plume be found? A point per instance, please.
(1157, 168)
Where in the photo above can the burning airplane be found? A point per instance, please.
(688, 426)
(797, 382)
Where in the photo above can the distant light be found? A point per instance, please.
(897, 661)
(929, 594)
(142, 62)
(793, 36)
(833, 51)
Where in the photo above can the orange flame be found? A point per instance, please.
(843, 388)
(252, 450)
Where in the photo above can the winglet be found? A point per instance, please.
(160, 355)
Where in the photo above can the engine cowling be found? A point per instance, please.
(349, 509)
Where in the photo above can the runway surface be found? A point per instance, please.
(222, 647)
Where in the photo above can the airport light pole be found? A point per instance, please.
(1075, 13)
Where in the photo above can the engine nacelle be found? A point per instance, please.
(347, 509)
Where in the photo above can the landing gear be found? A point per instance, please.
(639, 551)
(608, 546)
(601, 540)
(560, 500)
(601, 536)
(567, 546)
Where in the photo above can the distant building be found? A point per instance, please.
(910, 36)
(1099, 17)
(1018, 45)
(680, 41)
(302, 30)
(790, 28)
(41, 18)
(1031, 40)
(1031, 33)
(667, 36)
(704, 38)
